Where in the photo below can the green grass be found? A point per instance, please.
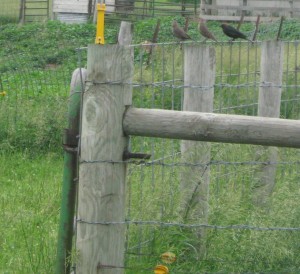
(30, 199)
(33, 115)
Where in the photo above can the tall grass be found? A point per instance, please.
(30, 198)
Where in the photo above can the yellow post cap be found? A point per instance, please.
(100, 24)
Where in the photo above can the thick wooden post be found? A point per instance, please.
(268, 106)
(101, 197)
(199, 70)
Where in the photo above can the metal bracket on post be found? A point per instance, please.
(100, 24)
(70, 140)
(129, 155)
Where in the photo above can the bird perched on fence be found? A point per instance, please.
(233, 33)
(204, 30)
(179, 33)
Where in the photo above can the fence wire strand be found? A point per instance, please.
(164, 224)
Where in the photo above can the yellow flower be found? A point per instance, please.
(3, 93)
(161, 269)
(168, 257)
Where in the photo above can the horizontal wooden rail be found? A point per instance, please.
(211, 127)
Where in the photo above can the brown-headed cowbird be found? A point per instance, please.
(204, 30)
(179, 33)
(233, 33)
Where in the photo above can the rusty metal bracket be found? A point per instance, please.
(130, 155)
(70, 140)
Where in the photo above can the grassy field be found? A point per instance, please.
(32, 116)
(30, 199)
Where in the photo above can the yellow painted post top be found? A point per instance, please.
(100, 24)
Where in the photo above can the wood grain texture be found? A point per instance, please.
(101, 196)
(270, 79)
(199, 70)
(268, 106)
(125, 33)
(211, 127)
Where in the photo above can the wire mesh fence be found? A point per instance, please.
(10, 10)
(118, 10)
(34, 94)
(239, 235)
(16, 11)
(141, 9)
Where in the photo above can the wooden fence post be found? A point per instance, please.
(101, 195)
(268, 106)
(125, 39)
(125, 33)
(22, 12)
(199, 70)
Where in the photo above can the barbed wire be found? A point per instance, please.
(175, 43)
(161, 162)
(217, 85)
(191, 226)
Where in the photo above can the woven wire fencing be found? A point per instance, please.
(239, 235)
(34, 95)
(10, 10)
(140, 9)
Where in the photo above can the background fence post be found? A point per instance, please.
(199, 70)
(101, 196)
(125, 33)
(22, 12)
(268, 106)
(124, 39)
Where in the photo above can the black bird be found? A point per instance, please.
(233, 33)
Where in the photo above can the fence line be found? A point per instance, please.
(144, 9)
(222, 10)
(163, 125)
(153, 184)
